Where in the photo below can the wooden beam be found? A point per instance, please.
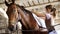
(40, 4)
(24, 5)
(2, 3)
(29, 3)
(48, 1)
(38, 1)
(33, 3)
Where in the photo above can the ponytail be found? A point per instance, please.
(53, 10)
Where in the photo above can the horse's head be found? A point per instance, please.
(12, 14)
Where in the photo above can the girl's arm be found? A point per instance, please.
(38, 14)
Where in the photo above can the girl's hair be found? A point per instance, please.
(48, 7)
(53, 10)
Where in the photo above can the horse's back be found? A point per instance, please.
(33, 22)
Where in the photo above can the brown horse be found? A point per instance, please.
(29, 24)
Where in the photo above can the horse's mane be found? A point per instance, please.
(23, 8)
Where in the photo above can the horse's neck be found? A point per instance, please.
(23, 9)
(31, 22)
(25, 12)
(24, 24)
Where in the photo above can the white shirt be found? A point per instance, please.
(48, 15)
(40, 21)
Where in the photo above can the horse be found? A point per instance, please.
(19, 13)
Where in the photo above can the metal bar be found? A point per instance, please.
(2, 3)
(56, 24)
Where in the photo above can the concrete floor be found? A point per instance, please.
(57, 28)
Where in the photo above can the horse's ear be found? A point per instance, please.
(13, 1)
(6, 3)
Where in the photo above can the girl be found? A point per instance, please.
(48, 18)
(53, 15)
